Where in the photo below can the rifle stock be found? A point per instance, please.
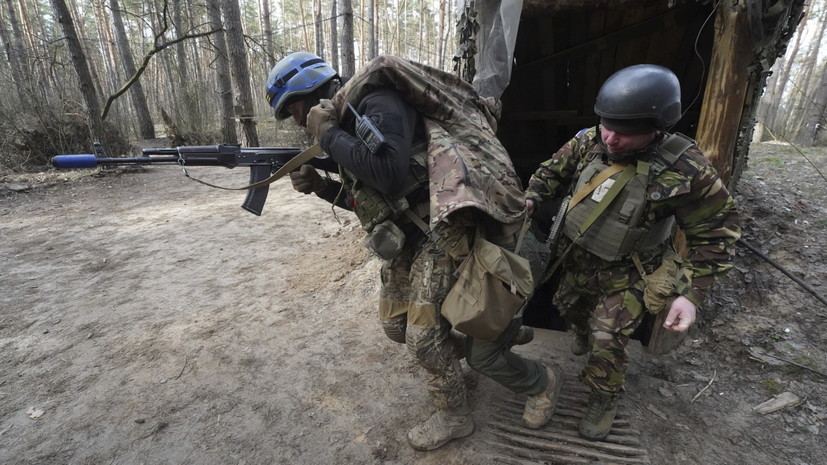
(262, 161)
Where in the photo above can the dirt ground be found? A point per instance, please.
(147, 319)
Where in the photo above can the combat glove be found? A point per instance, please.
(307, 180)
(321, 118)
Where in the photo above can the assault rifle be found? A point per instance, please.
(263, 161)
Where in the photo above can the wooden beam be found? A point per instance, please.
(726, 87)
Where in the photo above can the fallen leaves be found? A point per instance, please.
(34, 413)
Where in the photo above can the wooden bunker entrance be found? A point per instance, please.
(546, 60)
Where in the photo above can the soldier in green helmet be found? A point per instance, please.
(631, 184)
(397, 130)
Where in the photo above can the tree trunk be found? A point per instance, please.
(390, 33)
(781, 82)
(106, 43)
(334, 35)
(267, 24)
(223, 80)
(348, 53)
(304, 27)
(807, 113)
(725, 89)
(769, 102)
(189, 107)
(808, 135)
(13, 43)
(423, 27)
(83, 38)
(374, 46)
(146, 129)
(240, 72)
(35, 47)
(441, 35)
(317, 13)
(78, 57)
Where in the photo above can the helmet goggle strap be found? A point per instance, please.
(283, 80)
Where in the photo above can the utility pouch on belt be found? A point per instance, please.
(385, 240)
(492, 285)
(372, 208)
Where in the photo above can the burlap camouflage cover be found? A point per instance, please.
(467, 164)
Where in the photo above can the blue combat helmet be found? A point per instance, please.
(297, 74)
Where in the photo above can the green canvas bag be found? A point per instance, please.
(492, 285)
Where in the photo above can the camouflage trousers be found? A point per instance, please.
(414, 285)
(604, 300)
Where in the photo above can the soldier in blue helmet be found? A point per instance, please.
(388, 185)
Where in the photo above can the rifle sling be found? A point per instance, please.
(291, 165)
(592, 185)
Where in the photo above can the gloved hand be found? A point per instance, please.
(307, 180)
(321, 118)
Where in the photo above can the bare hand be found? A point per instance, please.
(529, 207)
(681, 315)
(321, 118)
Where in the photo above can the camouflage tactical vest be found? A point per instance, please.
(616, 233)
(467, 166)
(372, 207)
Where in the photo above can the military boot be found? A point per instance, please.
(600, 413)
(441, 427)
(580, 344)
(539, 408)
(524, 335)
(457, 341)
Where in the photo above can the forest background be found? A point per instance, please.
(119, 70)
(125, 314)
(122, 70)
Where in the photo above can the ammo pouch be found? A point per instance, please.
(661, 283)
(385, 240)
(372, 207)
(377, 212)
(492, 285)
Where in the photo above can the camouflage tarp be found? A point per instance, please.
(468, 166)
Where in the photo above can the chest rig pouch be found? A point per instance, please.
(380, 214)
(617, 233)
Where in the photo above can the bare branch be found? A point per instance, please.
(158, 47)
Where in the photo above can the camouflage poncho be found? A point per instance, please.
(467, 165)
(690, 190)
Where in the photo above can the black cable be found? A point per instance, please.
(772, 262)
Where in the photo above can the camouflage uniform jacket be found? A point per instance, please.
(690, 190)
(467, 165)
